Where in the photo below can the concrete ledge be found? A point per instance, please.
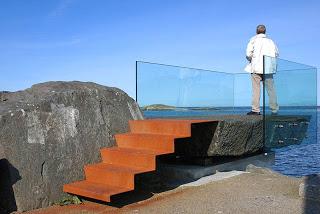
(216, 177)
(172, 175)
(177, 174)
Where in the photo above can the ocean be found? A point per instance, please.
(294, 160)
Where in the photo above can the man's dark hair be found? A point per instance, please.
(261, 29)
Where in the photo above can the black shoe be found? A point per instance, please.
(253, 113)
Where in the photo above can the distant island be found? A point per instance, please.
(158, 107)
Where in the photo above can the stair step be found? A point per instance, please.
(155, 142)
(114, 175)
(179, 128)
(137, 158)
(93, 190)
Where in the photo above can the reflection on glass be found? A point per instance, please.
(179, 91)
(183, 87)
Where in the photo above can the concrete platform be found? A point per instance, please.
(174, 172)
(182, 172)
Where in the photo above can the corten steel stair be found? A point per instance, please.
(135, 153)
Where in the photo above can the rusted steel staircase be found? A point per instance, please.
(135, 153)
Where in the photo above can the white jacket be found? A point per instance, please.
(260, 46)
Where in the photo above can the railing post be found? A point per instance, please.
(263, 104)
(137, 81)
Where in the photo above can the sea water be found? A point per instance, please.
(302, 159)
(294, 160)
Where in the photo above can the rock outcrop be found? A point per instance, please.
(49, 132)
(230, 135)
(237, 135)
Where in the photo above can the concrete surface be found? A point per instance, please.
(245, 193)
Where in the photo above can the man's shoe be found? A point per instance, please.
(253, 113)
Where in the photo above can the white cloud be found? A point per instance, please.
(60, 9)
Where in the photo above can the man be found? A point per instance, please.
(260, 46)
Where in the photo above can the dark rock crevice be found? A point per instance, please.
(42, 169)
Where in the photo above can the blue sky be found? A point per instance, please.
(100, 40)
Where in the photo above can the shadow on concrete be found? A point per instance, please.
(9, 175)
(311, 193)
(124, 199)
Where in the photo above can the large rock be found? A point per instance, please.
(229, 135)
(49, 132)
(238, 135)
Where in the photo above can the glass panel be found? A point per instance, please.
(290, 112)
(172, 91)
(242, 93)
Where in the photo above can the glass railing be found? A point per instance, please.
(242, 93)
(174, 91)
(289, 102)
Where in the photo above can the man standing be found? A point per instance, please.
(260, 46)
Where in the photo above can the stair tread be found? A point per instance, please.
(133, 150)
(149, 134)
(186, 121)
(94, 188)
(182, 128)
(118, 168)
